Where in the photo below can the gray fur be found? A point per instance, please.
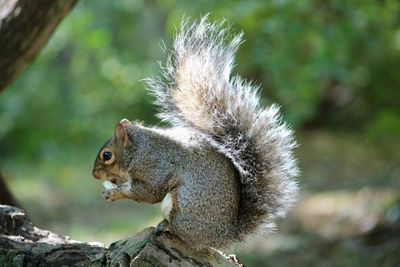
(227, 164)
(197, 90)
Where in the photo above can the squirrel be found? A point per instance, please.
(225, 168)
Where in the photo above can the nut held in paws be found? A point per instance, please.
(108, 185)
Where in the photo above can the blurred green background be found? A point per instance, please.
(333, 66)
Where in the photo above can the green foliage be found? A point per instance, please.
(331, 63)
(335, 62)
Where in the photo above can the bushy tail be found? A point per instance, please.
(197, 90)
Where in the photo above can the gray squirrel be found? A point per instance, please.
(225, 169)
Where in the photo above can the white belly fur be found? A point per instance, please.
(166, 206)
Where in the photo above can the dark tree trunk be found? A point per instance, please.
(25, 28)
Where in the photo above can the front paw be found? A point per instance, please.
(109, 194)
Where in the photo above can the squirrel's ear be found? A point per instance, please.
(120, 133)
(125, 123)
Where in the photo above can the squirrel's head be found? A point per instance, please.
(110, 161)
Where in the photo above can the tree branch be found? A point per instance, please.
(25, 27)
(22, 244)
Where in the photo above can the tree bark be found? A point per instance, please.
(22, 244)
(25, 27)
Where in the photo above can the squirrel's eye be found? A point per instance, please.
(107, 155)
